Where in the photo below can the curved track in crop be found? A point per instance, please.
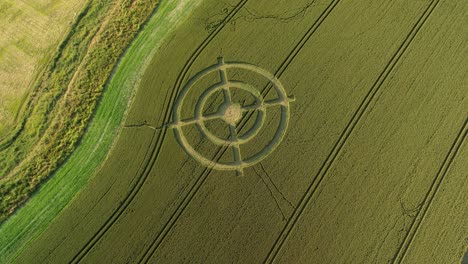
(156, 141)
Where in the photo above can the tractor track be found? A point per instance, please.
(431, 193)
(206, 172)
(155, 145)
(336, 150)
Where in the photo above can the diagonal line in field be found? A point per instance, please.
(155, 145)
(431, 193)
(203, 177)
(311, 190)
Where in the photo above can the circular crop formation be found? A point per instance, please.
(232, 113)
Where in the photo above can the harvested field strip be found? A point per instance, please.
(431, 193)
(221, 151)
(12, 135)
(311, 190)
(155, 149)
(30, 35)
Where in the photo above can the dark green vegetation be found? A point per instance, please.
(373, 161)
(65, 97)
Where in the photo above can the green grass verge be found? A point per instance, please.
(30, 220)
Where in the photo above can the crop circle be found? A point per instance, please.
(232, 114)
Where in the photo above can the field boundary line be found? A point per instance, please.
(431, 193)
(155, 149)
(206, 172)
(311, 190)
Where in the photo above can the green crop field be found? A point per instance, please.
(324, 131)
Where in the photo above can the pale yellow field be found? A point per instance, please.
(30, 31)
